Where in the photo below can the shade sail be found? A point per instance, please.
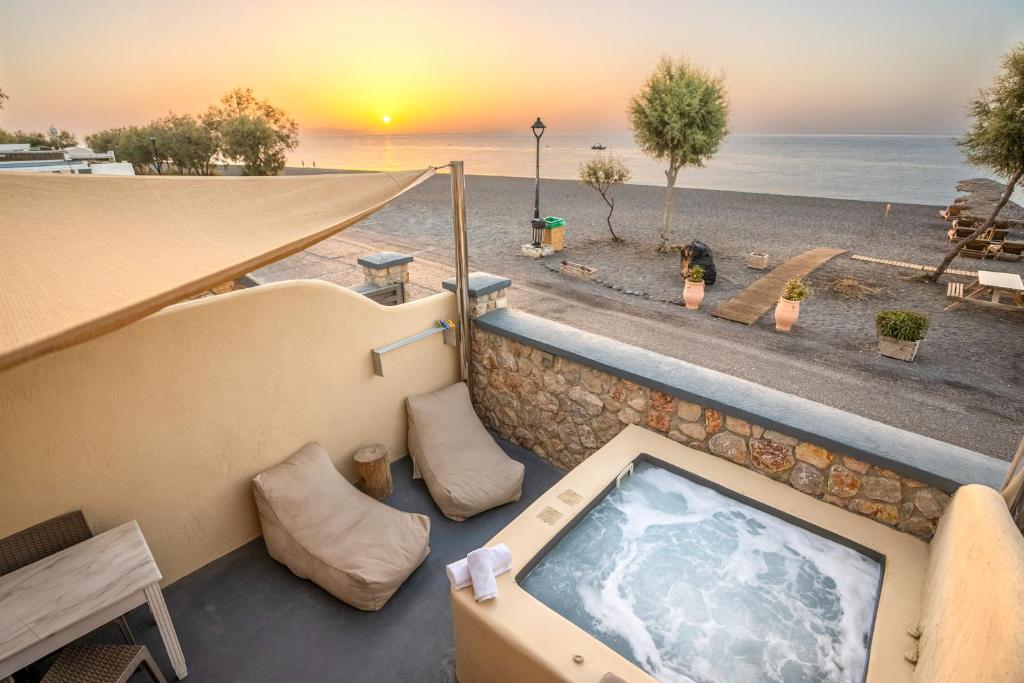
(83, 255)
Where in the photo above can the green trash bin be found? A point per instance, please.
(554, 232)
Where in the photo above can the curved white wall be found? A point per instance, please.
(167, 420)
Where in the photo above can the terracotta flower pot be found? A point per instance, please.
(693, 294)
(786, 313)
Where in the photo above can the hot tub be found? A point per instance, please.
(638, 580)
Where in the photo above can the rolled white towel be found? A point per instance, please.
(501, 562)
(481, 570)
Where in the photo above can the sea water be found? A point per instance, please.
(692, 585)
(917, 169)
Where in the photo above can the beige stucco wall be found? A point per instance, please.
(971, 612)
(167, 420)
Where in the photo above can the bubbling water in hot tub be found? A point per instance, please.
(695, 586)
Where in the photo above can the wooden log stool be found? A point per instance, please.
(374, 471)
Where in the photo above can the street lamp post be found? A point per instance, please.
(156, 159)
(537, 222)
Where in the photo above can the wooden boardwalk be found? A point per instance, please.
(750, 304)
(912, 266)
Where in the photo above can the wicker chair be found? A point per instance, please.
(101, 664)
(44, 539)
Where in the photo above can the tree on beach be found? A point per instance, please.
(680, 115)
(188, 145)
(50, 140)
(252, 131)
(131, 144)
(995, 139)
(240, 128)
(603, 173)
(59, 139)
(255, 143)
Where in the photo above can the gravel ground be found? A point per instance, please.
(964, 388)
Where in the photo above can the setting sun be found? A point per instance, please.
(386, 119)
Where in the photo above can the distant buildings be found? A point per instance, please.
(21, 158)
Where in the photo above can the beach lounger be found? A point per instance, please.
(958, 233)
(955, 234)
(979, 249)
(1010, 251)
(324, 529)
(950, 212)
(465, 471)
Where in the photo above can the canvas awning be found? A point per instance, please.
(83, 255)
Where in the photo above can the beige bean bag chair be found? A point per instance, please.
(465, 470)
(322, 528)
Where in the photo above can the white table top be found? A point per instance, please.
(42, 599)
(1012, 281)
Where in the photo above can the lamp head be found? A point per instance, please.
(538, 128)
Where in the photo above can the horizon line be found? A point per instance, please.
(343, 132)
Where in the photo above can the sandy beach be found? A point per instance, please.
(964, 388)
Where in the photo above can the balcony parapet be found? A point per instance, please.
(563, 393)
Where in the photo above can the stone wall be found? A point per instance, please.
(563, 411)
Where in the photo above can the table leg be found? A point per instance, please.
(166, 626)
(997, 294)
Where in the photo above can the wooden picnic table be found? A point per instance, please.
(988, 290)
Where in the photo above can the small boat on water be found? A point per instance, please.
(598, 146)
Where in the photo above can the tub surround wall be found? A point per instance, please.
(564, 393)
(533, 643)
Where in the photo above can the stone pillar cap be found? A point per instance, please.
(383, 259)
(480, 284)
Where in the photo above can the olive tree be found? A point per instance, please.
(603, 173)
(680, 115)
(60, 139)
(995, 139)
(187, 144)
(53, 139)
(132, 144)
(252, 131)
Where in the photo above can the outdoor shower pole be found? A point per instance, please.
(461, 266)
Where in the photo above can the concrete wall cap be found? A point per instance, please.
(383, 259)
(480, 283)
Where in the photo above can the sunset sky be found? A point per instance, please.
(881, 66)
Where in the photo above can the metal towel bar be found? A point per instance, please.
(377, 354)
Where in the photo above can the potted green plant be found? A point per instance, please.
(787, 310)
(693, 288)
(900, 333)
